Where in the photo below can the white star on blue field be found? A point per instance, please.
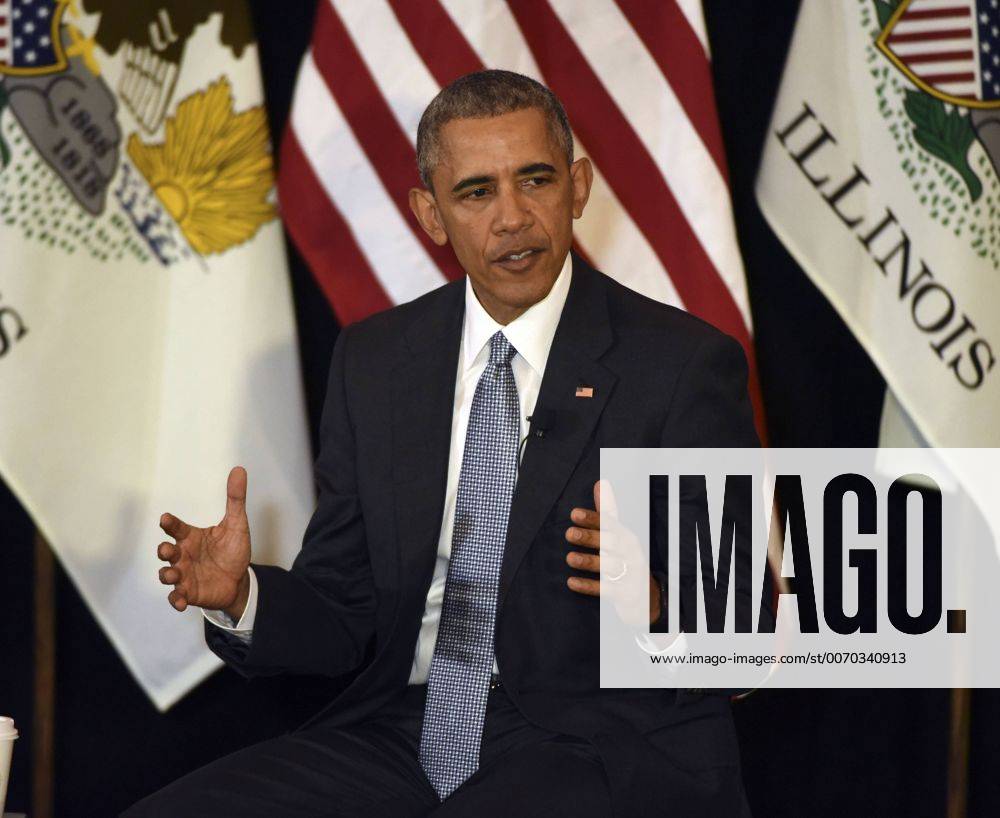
(988, 17)
(31, 24)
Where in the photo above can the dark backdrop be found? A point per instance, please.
(812, 752)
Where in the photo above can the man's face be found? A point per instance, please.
(505, 198)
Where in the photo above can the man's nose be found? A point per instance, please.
(513, 212)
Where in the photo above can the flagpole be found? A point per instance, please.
(958, 752)
(43, 728)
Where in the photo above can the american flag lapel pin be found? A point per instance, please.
(585, 391)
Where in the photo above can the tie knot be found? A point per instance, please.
(501, 350)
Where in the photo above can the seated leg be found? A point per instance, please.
(552, 778)
(358, 770)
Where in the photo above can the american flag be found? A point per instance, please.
(635, 79)
(27, 28)
(951, 46)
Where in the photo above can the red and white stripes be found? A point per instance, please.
(6, 34)
(937, 39)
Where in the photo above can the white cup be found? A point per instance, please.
(7, 735)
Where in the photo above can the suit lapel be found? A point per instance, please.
(582, 336)
(423, 394)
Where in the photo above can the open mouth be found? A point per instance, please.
(519, 259)
(517, 256)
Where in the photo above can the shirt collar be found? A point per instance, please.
(530, 333)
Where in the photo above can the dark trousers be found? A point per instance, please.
(373, 769)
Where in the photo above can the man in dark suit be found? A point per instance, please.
(451, 564)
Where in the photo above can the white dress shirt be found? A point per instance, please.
(531, 335)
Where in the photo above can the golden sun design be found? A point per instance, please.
(213, 170)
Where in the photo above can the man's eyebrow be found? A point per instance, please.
(527, 170)
(536, 167)
(473, 180)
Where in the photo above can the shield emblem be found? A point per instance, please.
(29, 37)
(949, 49)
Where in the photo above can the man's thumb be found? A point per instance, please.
(236, 493)
(604, 498)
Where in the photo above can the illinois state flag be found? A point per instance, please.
(880, 174)
(147, 341)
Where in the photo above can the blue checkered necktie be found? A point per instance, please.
(458, 683)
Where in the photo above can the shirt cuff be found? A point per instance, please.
(244, 628)
(652, 643)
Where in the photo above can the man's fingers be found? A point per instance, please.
(176, 598)
(174, 526)
(586, 517)
(592, 562)
(169, 552)
(585, 562)
(589, 587)
(236, 493)
(584, 536)
(170, 576)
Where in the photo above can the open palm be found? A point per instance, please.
(208, 566)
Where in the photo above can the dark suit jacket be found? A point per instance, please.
(354, 598)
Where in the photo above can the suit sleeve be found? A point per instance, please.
(711, 405)
(318, 617)
(710, 408)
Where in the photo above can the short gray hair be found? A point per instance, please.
(487, 93)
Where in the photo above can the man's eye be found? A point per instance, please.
(476, 193)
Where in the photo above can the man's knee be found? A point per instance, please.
(158, 805)
(352, 772)
(220, 788)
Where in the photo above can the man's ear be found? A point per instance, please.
(581, 173)
(425, 208)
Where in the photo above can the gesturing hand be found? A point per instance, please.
(587, 532)
(208, 566)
